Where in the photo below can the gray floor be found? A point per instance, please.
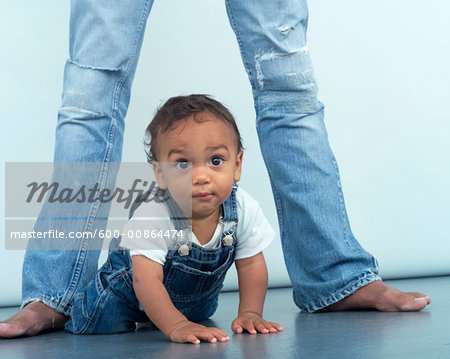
(358, 334)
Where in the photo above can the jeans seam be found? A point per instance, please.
(239, 41)
(127, 277)
(131, 60)
(279, 210)
(342, 211)
(277, 199)
(93, 318)
(117, 277)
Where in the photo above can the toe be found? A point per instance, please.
(418, 295)
(11, 330)
(414, 304)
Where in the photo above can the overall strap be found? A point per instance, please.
(228, 209)
(177, 216)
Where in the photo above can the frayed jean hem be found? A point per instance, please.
(51, 302)
(368, 277)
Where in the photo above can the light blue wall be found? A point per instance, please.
(383, 74)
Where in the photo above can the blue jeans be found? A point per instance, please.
(324, 260)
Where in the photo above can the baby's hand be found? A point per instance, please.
(253, 323)
(189, 332)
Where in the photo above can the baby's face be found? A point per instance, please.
(198, 162)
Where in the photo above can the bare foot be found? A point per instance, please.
(380, 296)
(31, 320)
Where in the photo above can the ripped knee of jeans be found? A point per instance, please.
(92, 89)
(286, 79)
(288, 71)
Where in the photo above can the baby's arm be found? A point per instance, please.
(153, 296)
(252, 274)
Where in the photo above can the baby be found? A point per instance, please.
(196, 152)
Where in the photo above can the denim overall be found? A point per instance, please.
(193, 281)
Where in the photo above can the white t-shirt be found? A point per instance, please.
(253, 231)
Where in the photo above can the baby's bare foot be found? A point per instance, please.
(380, 296)
(31, 320)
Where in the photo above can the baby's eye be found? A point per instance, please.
(183, 164)
(216, 161)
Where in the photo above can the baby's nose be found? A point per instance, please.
(199, 176)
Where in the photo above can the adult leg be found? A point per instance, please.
(325, 261)
(105, 41)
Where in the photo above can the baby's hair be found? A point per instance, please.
(177, 109)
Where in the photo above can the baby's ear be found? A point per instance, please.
(238, 169)
(159, 174)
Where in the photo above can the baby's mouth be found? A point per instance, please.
(203, 195)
